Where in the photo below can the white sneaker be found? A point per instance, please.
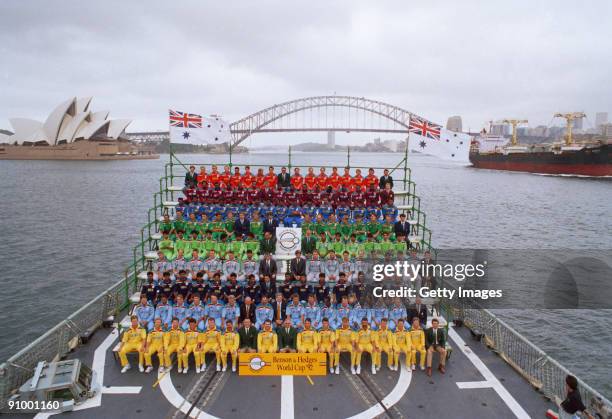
(337, 369)
(331, 370)
(353, 370)
(422, 368)
(140, 368)
(378, 368)
(179, 370)
(202, 367)
(161, 369)
(125, 369)
(149, 369)
(224, 368)
(197, 370)
(374, 369)
(358, 370)
(233, 368)
(413, 367)
(218, 367)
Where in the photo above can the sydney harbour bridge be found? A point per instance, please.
(312, 114)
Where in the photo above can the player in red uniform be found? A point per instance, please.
(271, 178)
(334, 180)
(358, 180)
(346, 179)
(236, 178)
(322, 179)
(260, 179)
(202, 176)
(304, 196)
(358, 198)
(213, 177)
(310, 179)
(226, 175)
(387, 194)
(248, 180)
(371, 179)
(297, 180)
(372, 197)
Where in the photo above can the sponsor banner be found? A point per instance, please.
(282, 364)
(288, 240)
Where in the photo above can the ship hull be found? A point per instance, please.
(78, 150)
(586, 162)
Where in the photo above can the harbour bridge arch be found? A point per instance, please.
(263, 120)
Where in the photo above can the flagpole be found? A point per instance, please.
(406, 166)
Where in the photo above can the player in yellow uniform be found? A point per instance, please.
(134, 340)
(191, 347)
(327, 344)
(384, 342)
(267, 341)
(229, 345)
(307, 339)
(174, 341)
(345, 342)
(365, 341)
(401, 344)
(210, 341)
(417, 337)
(155, 345)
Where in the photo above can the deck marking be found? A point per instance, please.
(504, 394)
(98, 365)
(310, 380)
(403, 382)
(474, 384)
(177, 400)
(287, 408)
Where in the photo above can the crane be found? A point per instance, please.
(514, 123)
(569, 118)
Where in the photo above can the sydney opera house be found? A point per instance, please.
(72, 131)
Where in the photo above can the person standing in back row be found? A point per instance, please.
(284, 180)
(384, 179)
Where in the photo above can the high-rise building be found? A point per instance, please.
(500, 129)
(601, 118)
(331, 139)
(454, 123)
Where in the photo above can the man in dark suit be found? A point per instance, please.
(287, 337)
(247, 311)
(242, 226)
(435, 341)
(418, 310)
(279, 307)
(270, 224)
(309, 243)
(384, 179)
(401, 227)
(283, 179)
(248, 337)
(268, 266)
(297, 266)
(191, 178)
(267, 244)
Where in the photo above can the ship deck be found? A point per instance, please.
(477, 384)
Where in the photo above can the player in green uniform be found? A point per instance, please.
(256, 226)
(346, 228)
(373, 227)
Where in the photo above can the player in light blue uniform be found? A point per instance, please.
(263, 312)
(230, 266)
(214, 310)
(163, 311)
(231, 311)
(359, 313)
(314, 267)
(295, 312)
(211, 266)
(145, 313)
(328, 311)
(378, 312)
(312, 311)
(397, 311)
(249, 267)
(342, 311)
(332, 267)
(181, 312)
(198, 312)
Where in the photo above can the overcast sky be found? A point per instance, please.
(478, 59)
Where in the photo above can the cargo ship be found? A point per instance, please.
(585, 158)
(78, 369)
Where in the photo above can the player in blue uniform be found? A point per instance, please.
(145, 313)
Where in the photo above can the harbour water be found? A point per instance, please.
(68, 229)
